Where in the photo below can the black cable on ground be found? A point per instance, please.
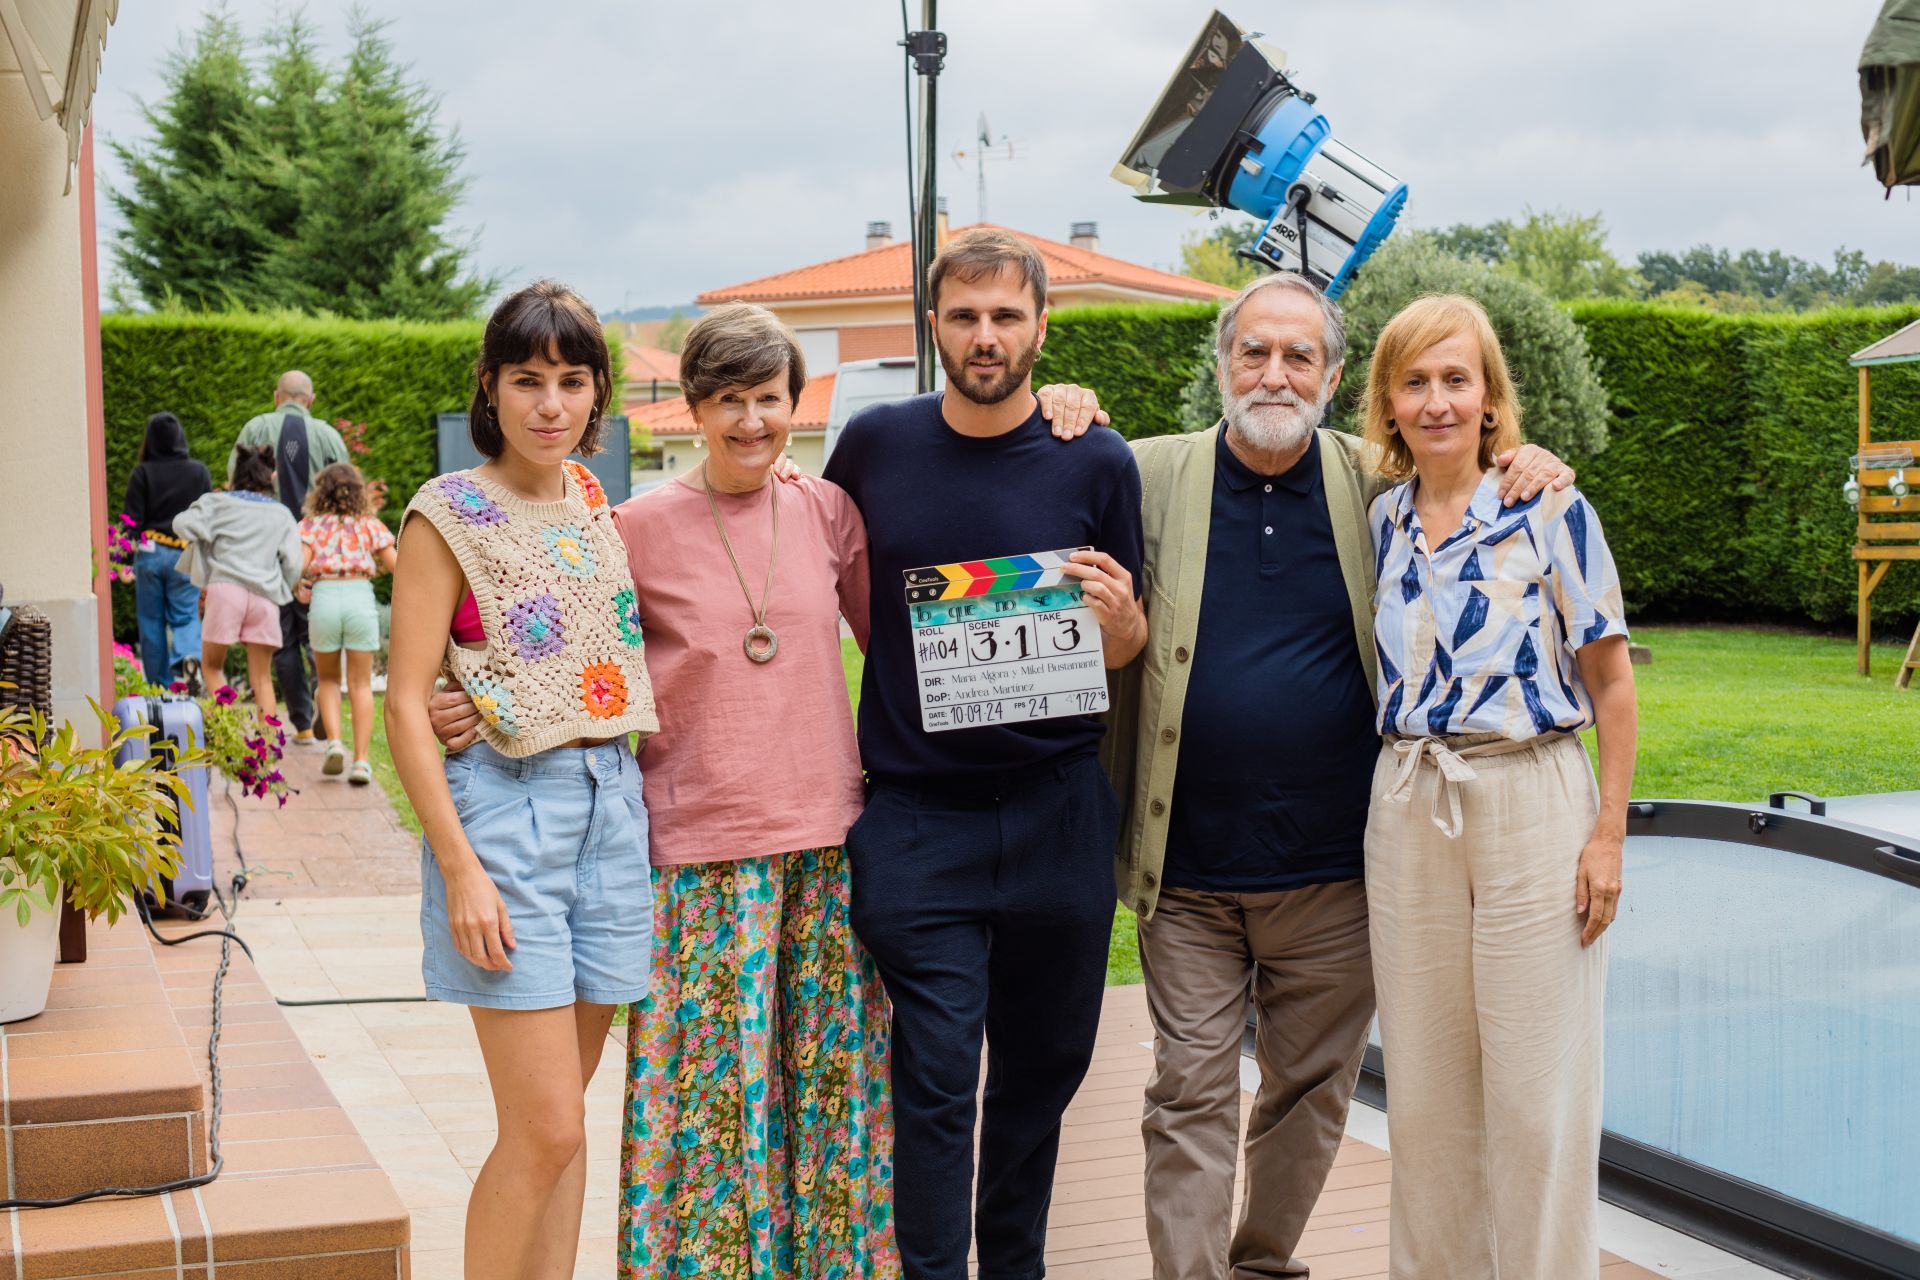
(216, 1162)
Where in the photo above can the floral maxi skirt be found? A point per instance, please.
(758, 1142)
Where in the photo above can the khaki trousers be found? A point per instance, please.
(1303, 956)
(1490, 1010)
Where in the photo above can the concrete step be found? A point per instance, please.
(300, 1196)
(101, 1089)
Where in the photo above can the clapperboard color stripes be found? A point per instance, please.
(1003, 640)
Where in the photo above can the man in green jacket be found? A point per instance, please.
(303, 446)
(1242, 743)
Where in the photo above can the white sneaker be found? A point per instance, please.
(336, 761)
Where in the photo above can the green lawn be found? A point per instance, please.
(1725, 714)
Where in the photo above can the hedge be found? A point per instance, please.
(1137, 357)
(216, 371)
(1719, 491)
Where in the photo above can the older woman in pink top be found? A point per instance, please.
(758, 1130)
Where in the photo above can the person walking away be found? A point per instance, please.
(1493, 866)
(535, 910)
(346, 547)
(302, 446)
(243, 550)
(166, 480)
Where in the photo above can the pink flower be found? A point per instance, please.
(226, 695)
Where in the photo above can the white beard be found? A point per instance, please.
(1272, 421)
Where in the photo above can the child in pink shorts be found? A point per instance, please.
(243, 551)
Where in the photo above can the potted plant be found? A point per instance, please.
(73, 824)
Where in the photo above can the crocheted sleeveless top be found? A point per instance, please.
(555, 593)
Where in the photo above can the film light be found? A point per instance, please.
(1231, 131)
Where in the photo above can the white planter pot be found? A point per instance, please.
(26, 961)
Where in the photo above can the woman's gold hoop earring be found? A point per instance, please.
(1489, 417)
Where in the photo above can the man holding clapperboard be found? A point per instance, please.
(1004, 565)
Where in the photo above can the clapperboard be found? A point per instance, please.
(1003, 640)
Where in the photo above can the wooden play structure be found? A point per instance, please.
(1892, 466)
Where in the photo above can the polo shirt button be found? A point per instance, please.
(1269, 488)
(1180, 654)
(1157, 807)
(1167, 734)
(1269, 528)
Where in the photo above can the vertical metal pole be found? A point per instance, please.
(926, 235)
(1864, 619)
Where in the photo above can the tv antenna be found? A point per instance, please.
(985, 148)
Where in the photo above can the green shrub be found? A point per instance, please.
(1138, 358)
(216, 371)
(1803, 423)
(1671, 488)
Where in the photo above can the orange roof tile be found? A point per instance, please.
(674, 418)
(889, 270)
(645, 363)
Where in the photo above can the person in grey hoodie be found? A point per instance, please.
(243, 551)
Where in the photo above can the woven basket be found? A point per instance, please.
(26, 661)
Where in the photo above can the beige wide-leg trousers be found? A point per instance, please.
(1302, 955)
(1490, 1010)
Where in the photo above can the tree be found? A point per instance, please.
(1564, 406)
(1210, 255)
(294, 185)
(1753, 280)
(1565, 256)
(673, 334)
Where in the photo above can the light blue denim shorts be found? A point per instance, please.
(563, 834)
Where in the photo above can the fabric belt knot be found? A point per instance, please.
(1453, 772)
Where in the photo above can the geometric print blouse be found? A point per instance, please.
(556, 599)
(1477, 635)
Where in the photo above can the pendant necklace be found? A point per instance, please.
(760, 643)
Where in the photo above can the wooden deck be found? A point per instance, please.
(1098, 1231)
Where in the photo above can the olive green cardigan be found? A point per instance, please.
(1142, 748)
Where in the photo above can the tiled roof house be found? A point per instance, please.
(861, 306)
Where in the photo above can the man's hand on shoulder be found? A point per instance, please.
(1072, 409)
(1529, 470)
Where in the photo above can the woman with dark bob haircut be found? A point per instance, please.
(535, 908)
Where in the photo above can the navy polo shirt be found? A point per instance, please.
(1277, 736)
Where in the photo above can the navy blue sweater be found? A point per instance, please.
(933, 496)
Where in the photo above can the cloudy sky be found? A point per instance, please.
(646, 151)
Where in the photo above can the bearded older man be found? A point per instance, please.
(1244, 740)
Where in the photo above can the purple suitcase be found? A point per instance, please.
(178, 722)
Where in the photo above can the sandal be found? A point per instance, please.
(362, 773)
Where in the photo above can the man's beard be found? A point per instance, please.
(1273, 421)
(1014, 369)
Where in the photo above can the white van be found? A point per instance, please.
(860, 383)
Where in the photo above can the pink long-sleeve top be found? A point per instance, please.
(751, 758)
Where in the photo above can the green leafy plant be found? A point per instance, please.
(73, 821)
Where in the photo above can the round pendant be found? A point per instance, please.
(760, 643)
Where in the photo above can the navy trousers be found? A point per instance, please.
(988, 906)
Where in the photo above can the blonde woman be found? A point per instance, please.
(1493, 868)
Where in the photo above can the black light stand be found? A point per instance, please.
(928, 50)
